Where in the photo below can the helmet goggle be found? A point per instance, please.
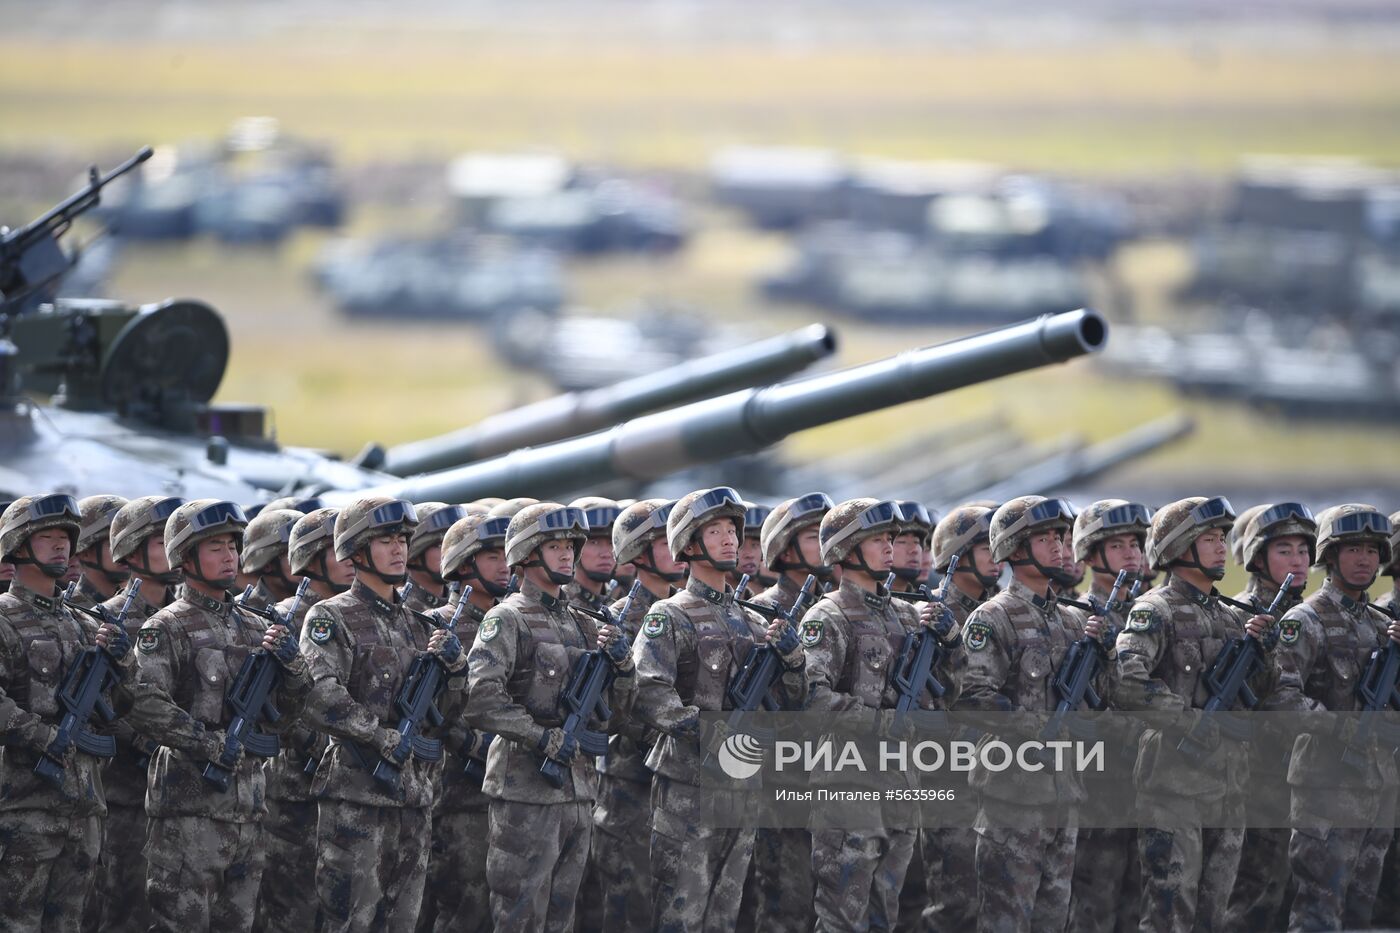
(655, 523)
(47, 507)
(209, 518)
(1212, 510)
(442, 519)
(601, 517)
(712, 500)
(1361, 521)
(878, 517)
(1042, 513)
(1132, 515)
(398, 512)
(560, 519)
(813, 502)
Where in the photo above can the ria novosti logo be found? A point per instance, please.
(741, 756)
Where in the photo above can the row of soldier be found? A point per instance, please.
(469, 833)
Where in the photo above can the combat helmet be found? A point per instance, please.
(600, 514)
(693, 511)
(311, 537)
(917, 520)
(136, 523)
(1016, 520)
(846, 525)
(508, 507)
(97, 513)
(535, 524)
(266, 538)
(1235, 539)
(782, 525)
(469, 536)
(434, 518)
(754, 517)
(958, 533)
(1106, 519)
(198, 521)
(641, 523)
(1276, 521)
(1176, 526)
(29, 515)
(1393, 568)
(1353, 522)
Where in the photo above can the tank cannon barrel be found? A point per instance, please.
(750, 420)
(576, 413)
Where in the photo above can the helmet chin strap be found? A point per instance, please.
(53, 570)
(115, 577)
(218, 583)
(325, 575)
(820, 571)
(1214, 573)
(421, 565)
(393, 579)
(649, 566)
(495, 590)
(557, 577)
(725, 565)
(1056, 575)
(170, 577)
(597, 577)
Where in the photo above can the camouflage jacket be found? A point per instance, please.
(781, 595)
(360, 648)
(39, 640)
(87, 595)
(188, 655)
(520, 662)
(1172, 635)
(1391, 600)
(1015, 642)
(459, 792)
(576, 594)
(627, 748)
(853, 638)
(125, 776)
(1325, 645)
(1260, 593)
(689, 647)
(420, 599)
(290, 774)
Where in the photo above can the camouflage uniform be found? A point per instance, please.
(1173, 633)
(456, 897)
(853, 637)
(621, 848)
(371, 844)
(50, 841)
(520, 662)
(87, 596)
(690, 646)
(1015, 642)
(1324, 646)
(1387, 910)
(204, 849)
(121, 887)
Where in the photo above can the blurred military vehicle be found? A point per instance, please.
(1312, 237)
(99, 396)
(542, 199)
(580, 350)
(255, 185)
(458, 275)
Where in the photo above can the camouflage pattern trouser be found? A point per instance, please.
(949, 854)
(621, 852)
(535, 863)
(1187, 875)
(456, 897)
(913, 897)
(1024, 878)
(858, 875)
(203, 874)
(697, 871)
(1257, 900)
(48, 864)
(370, 865)
(121, 881)
(1104, 895)
(1387, 910)
(783, 886)
(1338, 872)
(287, 902)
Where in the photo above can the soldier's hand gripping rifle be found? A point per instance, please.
(1074, 681)
(751, 686)
(1227, 679)
(585, 695)
(80, 695)
(251, 698)
(912, 675)
(417, 706)
(31, 261)
(1379, 693)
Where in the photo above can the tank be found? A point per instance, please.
(747, 421)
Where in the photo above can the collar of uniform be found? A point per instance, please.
(87, 589)
(960, 598)
(1260, 593)
(190, 595)
(788, 590)
(26, 595)
(879, 599)
(584, 597)
(707, 592)
(381, 605)
(1182, 588)
(531, 591)
(1045, 602)
(429, 600)
(1333, 592)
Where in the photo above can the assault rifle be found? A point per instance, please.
(80, 694)
(250, 698)
(1074, 681)
(912, 675)
(1379, 694)
(1227, 679)
(584, 696)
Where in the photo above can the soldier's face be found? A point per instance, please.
(339, 572)
(1211, 548)
(721, 539)
(217, 558)
(597, 556)
(101, 555)
(750, 557)
(558, 555)
(389, 553)
(1123, 552)
(662, 560)
(432, 558)
(155, 554)
(878, 553)
(491, 565)
(51, 546)
(908, 551)
(1048, 548)
(809, 545)
(982, 560)
(7, 572)
(1358, 563)
(1286, 555)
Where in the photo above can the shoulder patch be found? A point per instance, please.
(1289, 630)
(812, 632)
(489, 629)
(321, 631)
(147, 640)
(1140, 620)
(654, 624)
(976, 635)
